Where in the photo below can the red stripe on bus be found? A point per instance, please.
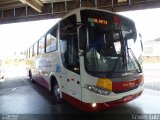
(100, 106)
(116, 19)
(120, 86)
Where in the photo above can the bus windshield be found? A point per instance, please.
(108, 49)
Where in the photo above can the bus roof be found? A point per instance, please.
(85, 8)
(77, 11)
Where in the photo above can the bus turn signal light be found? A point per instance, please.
(105, 83)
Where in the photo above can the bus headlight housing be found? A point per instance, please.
(142, 81)
(97, 89)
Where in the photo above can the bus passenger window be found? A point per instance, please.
(69, 44)
(41, 46)
(35, 49)
(51, 41)
(30, 52)
(27, 55)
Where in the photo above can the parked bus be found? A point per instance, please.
(89, 59)
(2, 69)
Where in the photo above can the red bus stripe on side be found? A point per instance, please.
(100, 106)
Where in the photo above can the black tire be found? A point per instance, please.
(56, 93)
(30, 77)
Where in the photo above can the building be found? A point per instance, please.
(151, 52)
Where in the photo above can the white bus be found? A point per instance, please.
(2, 69)
(89, 59)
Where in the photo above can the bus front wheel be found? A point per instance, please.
(56, 93)
(30, 76)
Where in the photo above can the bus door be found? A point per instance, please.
(69, 55)
(70, 60)
(73, 83)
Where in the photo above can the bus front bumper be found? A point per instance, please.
(91, 107)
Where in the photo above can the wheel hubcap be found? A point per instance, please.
(57, 91)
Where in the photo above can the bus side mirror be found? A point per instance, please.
(82, 38)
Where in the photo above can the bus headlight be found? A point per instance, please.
(97, 90)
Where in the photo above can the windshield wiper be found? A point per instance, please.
(114, 67)
(134, 57)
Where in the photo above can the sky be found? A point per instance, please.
(19, 36)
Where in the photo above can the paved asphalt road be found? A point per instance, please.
(22, 100)
(25, 100)
(152, 76)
